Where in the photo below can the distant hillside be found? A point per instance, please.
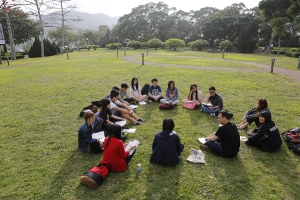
(89, 21)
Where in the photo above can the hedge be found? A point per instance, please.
(292, 54)
(280, 52)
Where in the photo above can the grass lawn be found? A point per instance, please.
(41, 100)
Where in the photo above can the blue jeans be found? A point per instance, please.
(208, 110)
(215, 146)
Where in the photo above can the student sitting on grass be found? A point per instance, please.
(121, 110)
(114, 152)
(226, 141)
(85, 141)
(135, 91)
(267, 136)
(171, 94)
(195, 95)
(123, 92)
(216, 103)
(166, 147)
(253, 114)
(154, 93)
(120, 96)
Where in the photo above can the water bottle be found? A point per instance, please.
(139, 167)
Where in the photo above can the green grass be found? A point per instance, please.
(41, 100)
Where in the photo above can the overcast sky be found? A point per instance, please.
(120, 7)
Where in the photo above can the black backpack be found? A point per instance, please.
(93, 108)
(98, 125)
(97, 103)
(145, 89)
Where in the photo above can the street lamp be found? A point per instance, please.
(298, 35)
(87, 43)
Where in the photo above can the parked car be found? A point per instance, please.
(19, 51)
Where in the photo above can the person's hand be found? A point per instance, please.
(244, 120)
(206, 139)
(256, 114)
(249, 132)
(100, 143)
(125, 145)
(132, 148)
(170, 101)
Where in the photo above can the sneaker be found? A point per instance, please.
(140, 120)
(212, 114)
(149, 101)
(201, 110)
(138, 123)
(205, 148)
(85, 180)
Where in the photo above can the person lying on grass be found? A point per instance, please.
(114, 151)
(226, 141)
(166, 147)
(135, 91)
(121, 110)
(85, 141)
(195, 95)
(253, 114)
(171, 94)
(267, 136)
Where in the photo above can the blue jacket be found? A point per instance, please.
(166, 148)
(85, 137)
(175, 97)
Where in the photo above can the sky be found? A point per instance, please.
(121, 7)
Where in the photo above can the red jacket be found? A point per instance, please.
(115, 154)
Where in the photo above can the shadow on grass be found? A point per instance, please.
(162, 181)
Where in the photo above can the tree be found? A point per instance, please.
(35, 49)
(174, 43)
(173, 33)
(199, 44)
(154, 43)
(226, 44)
(134, 44)
(57, 34)
(279, 28)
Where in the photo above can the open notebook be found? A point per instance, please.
(133, 143)
(100, 135)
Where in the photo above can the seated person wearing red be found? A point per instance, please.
(166, 147)
(114, 150)
(85, 141)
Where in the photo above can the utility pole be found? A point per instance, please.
(11, 40)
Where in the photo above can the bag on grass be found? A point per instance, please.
(97, 103)
(95, 176)
(190, 105)
(92, 108)
(165, 106)
(98, 125)
(196, 156)
(292, 139)
(145, 89)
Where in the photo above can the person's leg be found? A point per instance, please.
(127, 160)
(160, 98)
(164, 101)
(254, 142)
(143, 97)
(95, 147)
(175, 102)
(205, 109)
(215, 146)
(126, 116)
(215, 110)
(151, 99)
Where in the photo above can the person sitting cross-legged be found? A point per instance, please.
(171, 94)
(216, 102)
(154, 93)
(226, 141)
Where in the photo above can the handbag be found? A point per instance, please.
(196, 156)
(165, 106)
(190, 105)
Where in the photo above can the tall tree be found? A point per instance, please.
(279, 28)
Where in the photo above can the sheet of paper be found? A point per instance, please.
(121, 123)
(133, 106)
(142, 103)
(207, 104)
(189, 101)
(243, 138)
(100, 135)
(133, 143)
(202, 140)
(131, 130)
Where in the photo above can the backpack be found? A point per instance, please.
(165, 106)
(292, 139)
(98, 125)
(95, 176)
(145, 89)
(92, 108)
(97, 103)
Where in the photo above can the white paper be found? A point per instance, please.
(121, 123)
(207, 104)
(243, 138)
(202, 140)
(220, 125)
(133, 143)
(100, 135)
(142, 103)
(189, 101)
(133, 106)
(131, 130)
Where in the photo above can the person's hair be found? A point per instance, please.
(88, 114)
(124, 85)
(262, 104)
(267, 115)
(170, 82)
(212, 88)
(115, 131)
(154, 79)
(104, 110)
(116, 88)
(114, 93)
(226, 113)
(194, 85)
(132, 83)
(168, 124)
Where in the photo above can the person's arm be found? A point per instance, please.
(167, 94)
(132, 92)
(159, 90)
(262, 131)
(251, 114)
(176, 94)
(220, 102)
(122, 153)
(88, 137)
(178, 145)
(149, 92)
(212, 137)
(126, 95)
(190, 95)
(199, 96)
(116, 117)
(154, 143)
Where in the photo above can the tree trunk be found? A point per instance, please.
(11, 40)
(268, 47)
(62, 28)
(41, 28)
(278, 46)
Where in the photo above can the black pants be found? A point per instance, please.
(129, 100)
(95, 147)
(158, 100)
(127, 160)
(254, 142)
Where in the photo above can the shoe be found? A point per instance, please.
(85, 180)
(205, 148)
(201, 110)
(140, 120)
(149, 101)
(212, 114)
(138, 123)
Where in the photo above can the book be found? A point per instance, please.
(133, 143)
(133, 106)
(100, 135)
(207, 104)
(121, 123)
(131, 130)
(202, 140)
(142, 103)
(243, 138)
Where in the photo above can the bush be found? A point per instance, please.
(17, 57)
(134, 44)
(144, 44)
(174, 43)
(154, 43)
(199, 44)
(294, 50)
(95, 47)
(107, 46)
(275, 51)
(226, 44)
(292, 54)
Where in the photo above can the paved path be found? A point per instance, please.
(293, 74)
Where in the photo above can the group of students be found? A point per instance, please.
(167, 147)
